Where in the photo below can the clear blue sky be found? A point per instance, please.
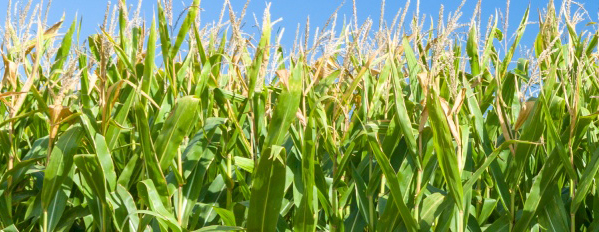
(294, 12)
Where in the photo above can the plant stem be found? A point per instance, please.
(180, 164)
(370, 198)
(229, 189)
(461, 221)
(572, 213)
(418, 186)
(572, 194)
(512, 208)
(45, 227)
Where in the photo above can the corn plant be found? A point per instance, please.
(164, 125)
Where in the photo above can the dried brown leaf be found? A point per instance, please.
(283, 77)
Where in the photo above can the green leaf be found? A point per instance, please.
(262, 55)
(553, 216)
(123, 205)
(444, 148)
(472, 50)
(63, 52)
(58, 204)
(244, 163)
(502, 224)
(152, 198)
(403, 119)
(198, 159)
(519, 33)
(226, 216)
(165, 41)
(149, 156)
(393, 183)
(590, 171)
(432, 206)
(218, 228)
(89, 167)
(184, 30)
(175, 129)
(105, 159)
(543, 182)
(120, 115)
(60, 163)
(268, 187)
(305, 217)
(148, 76)
(269, 178)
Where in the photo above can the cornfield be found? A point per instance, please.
(409, 125)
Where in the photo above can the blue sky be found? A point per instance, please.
(293, 12)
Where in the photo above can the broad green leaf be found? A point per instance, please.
(218, 228)
(123, 205)
(226, 216)
(148, 76)
(432, 206)
(199, 158)
(89, 167)
(553, 216)
(402, 118)
(269, 184)
(541, 185)
(446, 153)
(393, 183)
(60, 163)
(268, 181)
(63, 52)
(176, 127)
(105, 158)
(586, 181)
(150, 158)
(184, 29)
(151, 197)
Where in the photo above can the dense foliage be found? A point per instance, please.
(175, 125)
